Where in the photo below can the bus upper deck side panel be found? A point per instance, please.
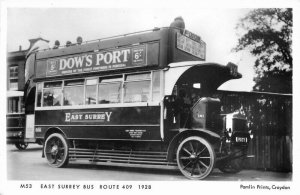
(131, 57)
(161, 36)
(157, 48)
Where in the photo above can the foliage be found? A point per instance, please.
(267, 34)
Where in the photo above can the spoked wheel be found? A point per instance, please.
(56, 150)
(195, 157)
(21, 145)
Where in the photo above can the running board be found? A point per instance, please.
(144, 159)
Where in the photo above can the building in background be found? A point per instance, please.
(15, 81)
(15, 87)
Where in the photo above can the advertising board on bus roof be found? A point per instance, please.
(98, 61)
(154, 49)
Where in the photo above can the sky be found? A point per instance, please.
(216, 26)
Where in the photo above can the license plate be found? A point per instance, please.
(241, 139)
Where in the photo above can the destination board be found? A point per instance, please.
(191, 46)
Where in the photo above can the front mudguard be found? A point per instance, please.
(184, 133)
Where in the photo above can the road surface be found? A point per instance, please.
(29, 165)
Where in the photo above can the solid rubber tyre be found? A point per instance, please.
(56, 150)
(21, 145)
(195, 157)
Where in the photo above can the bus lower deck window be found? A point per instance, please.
(124, 88)
(39, 94)
(74, 92)
(137, 88)
(90, 94)
(91, 91)
(52, 97)
(137, 91)
(73, 95)
(110, 89)
(156, 86)
(52, 93)
(109, 93)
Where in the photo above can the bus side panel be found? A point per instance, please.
(146, 133)
(138, 123)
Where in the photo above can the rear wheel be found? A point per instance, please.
(56, 150)
(21, 145)
(195, 157)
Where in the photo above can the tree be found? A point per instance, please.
(267, 34)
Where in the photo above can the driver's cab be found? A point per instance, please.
(189, 103)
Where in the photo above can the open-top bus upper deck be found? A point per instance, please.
(141, 51)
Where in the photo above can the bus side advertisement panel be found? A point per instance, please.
(104, 123)
(99, 61)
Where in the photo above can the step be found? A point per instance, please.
(151, 158)
(116, 154)
(120, 164)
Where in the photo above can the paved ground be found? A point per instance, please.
(29, 165)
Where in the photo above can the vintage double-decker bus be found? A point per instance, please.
(15, 122)
(15, 119)
(142, 99)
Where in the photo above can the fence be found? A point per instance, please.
(271, 115)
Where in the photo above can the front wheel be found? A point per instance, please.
(195, 157)
(56, 150)
(21, 145)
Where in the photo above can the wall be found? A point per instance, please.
(271, 115)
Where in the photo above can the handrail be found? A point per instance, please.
(109, 38)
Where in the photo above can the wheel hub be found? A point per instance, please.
(193, 157)
(54, 150)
